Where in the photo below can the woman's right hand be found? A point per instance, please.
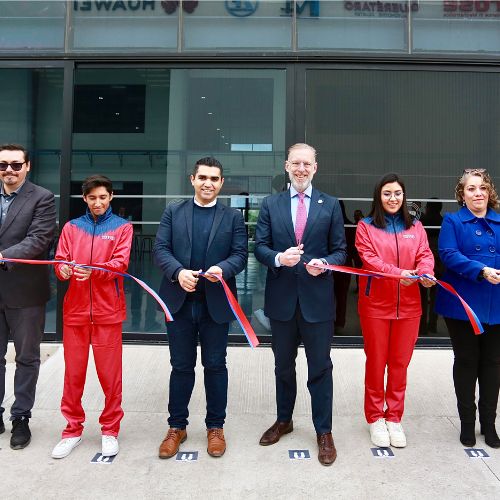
(492, 275)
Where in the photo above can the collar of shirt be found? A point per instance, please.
(2, 191)
(307, 192)
(208, 205)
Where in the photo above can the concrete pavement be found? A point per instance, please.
(434, 464)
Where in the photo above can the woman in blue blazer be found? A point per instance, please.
(469, 247)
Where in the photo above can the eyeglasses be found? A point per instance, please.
(297, 164)
(475, 171)
(14, 165)
(389, 194)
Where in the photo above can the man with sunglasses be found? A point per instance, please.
(27, 226)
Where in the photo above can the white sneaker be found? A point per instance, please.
(396, 434)
(64, 447)
(110, 446)
(379, 433)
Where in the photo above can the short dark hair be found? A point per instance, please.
(208, 161)
(95, 181)
(16, 147)
(377, 211)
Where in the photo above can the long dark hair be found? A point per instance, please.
(377, 211)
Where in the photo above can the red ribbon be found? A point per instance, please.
(168, 314)
(474, 320)
(237, 310)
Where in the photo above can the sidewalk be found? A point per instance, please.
(434, 465)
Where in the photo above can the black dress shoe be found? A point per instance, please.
(490, 435)
(468, 434)
(21, 434)
(274, 433)
(2, 426)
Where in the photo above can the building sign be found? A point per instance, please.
(241, 8)
(471, 9)
(301, 8)
(381, 9)
(133, 6)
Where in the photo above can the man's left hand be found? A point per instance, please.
(213, 270)
(315, 271)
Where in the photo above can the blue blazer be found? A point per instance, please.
(227, 248)
(324, 238)
(467, 244)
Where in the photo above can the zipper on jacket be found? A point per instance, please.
(397, 253)
(90, 277)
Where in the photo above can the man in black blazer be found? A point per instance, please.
(27, 226)
(297, 227)
(199, 234)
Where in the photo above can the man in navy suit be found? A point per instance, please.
(297, 227)
(199, 234)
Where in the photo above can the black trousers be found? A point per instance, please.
(477, 360)
(317, 338)
(25, 327)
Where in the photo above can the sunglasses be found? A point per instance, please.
(15, 165)
(474, 170)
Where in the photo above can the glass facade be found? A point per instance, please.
(180, 115)
(155, 27)
(139, 90)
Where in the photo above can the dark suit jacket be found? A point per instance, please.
(27, 233)
(324, 238)
(227, 248)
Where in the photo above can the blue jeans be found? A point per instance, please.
(193, 321)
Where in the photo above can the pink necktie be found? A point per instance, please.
(300, 218)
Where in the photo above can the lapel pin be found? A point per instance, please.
(320, 201)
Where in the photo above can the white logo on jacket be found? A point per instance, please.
(411, 236)
(107, 237)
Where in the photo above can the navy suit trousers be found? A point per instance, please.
(316, 337)
(190, 322)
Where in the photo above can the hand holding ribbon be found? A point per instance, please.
(474, 320)
(85, 270)
(235, 307)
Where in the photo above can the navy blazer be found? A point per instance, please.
(227, 248)
(324, 238)
(467, 244)
(27, 233)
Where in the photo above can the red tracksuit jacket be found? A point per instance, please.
(101, 298)
(391, 250)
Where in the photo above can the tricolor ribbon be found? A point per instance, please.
(237, 310)
(474, 320)
(144, 285)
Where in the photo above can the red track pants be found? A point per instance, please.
(387, 343)
(106, 341)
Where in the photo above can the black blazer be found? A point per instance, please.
(324, 238)
(227, 248)
(27, 233)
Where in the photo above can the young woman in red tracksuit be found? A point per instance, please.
(93, 311)
(389, 241)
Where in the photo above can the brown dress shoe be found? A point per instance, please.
(326, 449)
(170, 445)
(216, 442)
(274, 433)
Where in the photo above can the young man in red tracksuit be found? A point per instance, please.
(94, 309)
